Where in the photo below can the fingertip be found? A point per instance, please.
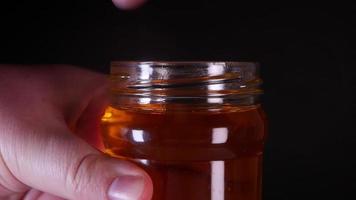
(128, 4)
(129, 187)
(135, 183)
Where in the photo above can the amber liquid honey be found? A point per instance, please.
(192, 155)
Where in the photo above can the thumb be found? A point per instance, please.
(54, 161)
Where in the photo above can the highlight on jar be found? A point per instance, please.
(197, 128)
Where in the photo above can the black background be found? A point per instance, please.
(305, 52)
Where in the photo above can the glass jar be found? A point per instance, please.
(196, 127)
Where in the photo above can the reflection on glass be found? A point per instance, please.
(219, 135)
(216, 87)
(137, 136)
(146, 71)
(145, 100)
(217, 180)
(216, 100)
(216, 69)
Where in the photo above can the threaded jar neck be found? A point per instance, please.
(195, 85)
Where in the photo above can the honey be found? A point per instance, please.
(192, 154)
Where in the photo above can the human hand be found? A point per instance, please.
(44, 113)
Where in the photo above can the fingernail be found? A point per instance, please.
(126, 188)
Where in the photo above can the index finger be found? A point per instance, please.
(128, 4)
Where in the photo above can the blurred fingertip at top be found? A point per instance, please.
(128, 4)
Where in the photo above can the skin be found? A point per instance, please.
(49, 146)
(49, 120)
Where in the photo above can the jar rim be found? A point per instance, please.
(166, 62)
